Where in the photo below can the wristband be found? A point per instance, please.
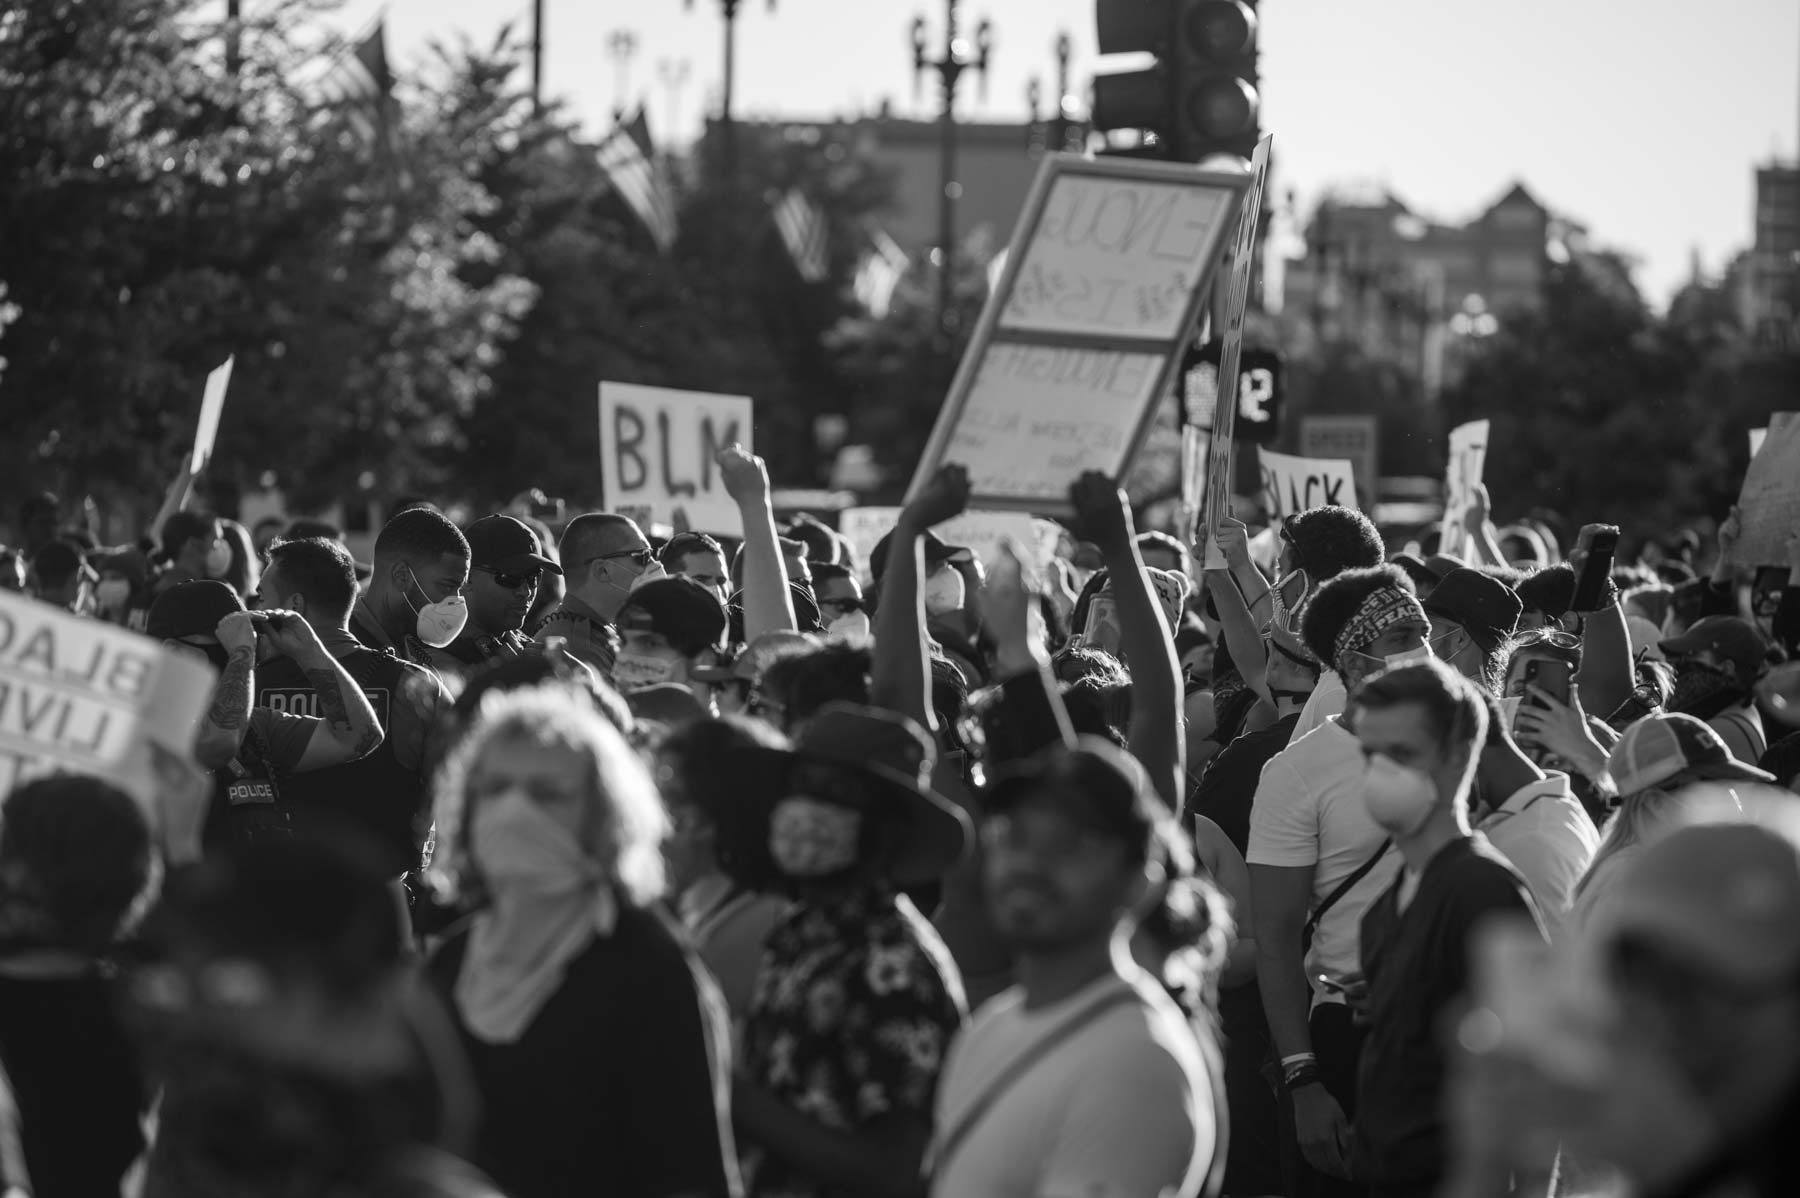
(1293, 1059)
(1300, 1076)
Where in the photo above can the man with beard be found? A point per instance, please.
(1717, 663)
(1085, 1078)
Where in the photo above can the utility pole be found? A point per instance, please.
(537, 56)
(727, 122)
(674, 75)
(234, 46)
(621, 47)
(959, 55)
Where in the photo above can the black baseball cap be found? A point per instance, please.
(506, 546)
(1096, 784)
(191, 609)
(688, 615)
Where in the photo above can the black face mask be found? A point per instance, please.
(1703, 691)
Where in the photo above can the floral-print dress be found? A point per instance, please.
(855, 1006)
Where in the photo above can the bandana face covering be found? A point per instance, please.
(1704, 690)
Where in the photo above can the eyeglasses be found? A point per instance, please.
(512, 581)
(1548, 636)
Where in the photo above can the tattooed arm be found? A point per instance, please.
(222, 731)
(348, 729)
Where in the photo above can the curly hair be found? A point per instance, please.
(803, 683)
(632, 824)
(1337, 601)
(1330, 540)
(691, 769)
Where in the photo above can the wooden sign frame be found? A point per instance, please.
(989, 332)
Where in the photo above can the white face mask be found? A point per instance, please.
(517, 843)
(635, 671)
(1398, 798)
(852, 626)
(439, 623)
(945, 592)
(810, 839)
(112, 594)
(218, 560)
(1422, 653)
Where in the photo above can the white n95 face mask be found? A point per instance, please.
(1398, 798)
(438, 623)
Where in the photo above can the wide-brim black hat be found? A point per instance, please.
(893, 756)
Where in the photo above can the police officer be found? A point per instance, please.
(385, 794)
(506, 564)
(254, 752)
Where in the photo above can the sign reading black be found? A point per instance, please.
(1259, 391)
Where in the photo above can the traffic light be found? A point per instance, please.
(1216, 103)
(1197, 97)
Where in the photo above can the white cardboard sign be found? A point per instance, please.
(1084, 328)
(212, 406)
(656, 453)
(1468, 458)
(981, 532)
(1291, 485)
(82, 696)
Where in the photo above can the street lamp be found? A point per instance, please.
(727, 128)
(959, 55)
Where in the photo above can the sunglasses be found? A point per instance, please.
(512, 581)
(641, 558)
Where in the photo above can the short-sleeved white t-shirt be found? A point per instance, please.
(1121, 1108)
(1323, 705)
(1309, 810)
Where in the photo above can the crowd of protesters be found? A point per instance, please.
(540, 861)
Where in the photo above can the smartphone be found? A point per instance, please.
(1765, 593)
(1549, 674)
(1102, 630)
(1598, 568)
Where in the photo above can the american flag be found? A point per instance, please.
(625, 158)
(360, 82)
(880, 272)
(802, 229)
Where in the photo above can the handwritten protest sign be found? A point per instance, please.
(1356, 439)
(212, 406)
(1218, 466)
(657, 448)
(980, 532)
(1769, 504)
(1468, 458)
(82, 696)
(1292, 484)
(1083, 331)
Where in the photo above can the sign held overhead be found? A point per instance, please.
(656, 452)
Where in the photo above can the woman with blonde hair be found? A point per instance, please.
(597, 1040)
(1658, 767)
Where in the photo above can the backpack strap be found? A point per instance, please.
(1332, 899)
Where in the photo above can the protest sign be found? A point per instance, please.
(1082, 333)
(82, 696)
(981, 532)
(1218, 465)
(1468, 458)
(212, 406)
(1769, 504)
(1356, 439)
(657, 448)
(1293, 484)
(1757, 437)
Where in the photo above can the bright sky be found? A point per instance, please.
(1640, 118)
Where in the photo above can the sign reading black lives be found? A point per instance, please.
(1259, 391)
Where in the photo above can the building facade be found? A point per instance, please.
(1769, 283)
